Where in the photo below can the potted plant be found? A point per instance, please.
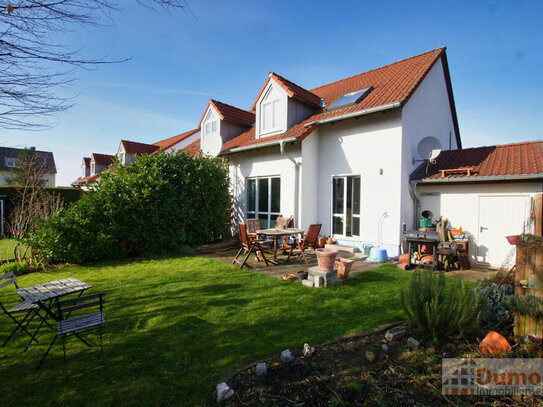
(343, 267)
(326, 259)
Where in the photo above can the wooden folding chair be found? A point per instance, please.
(69, 326)
(310, 240)
(283, 222)
(27, 307)
(249, 245)
(252, 226)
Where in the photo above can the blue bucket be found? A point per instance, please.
(377, 254)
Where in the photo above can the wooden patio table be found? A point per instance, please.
(44, 294)
(276, 234)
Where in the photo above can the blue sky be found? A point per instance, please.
(226, 50)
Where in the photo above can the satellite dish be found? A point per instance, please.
(434, 154)
(212, 144)
(426, 147)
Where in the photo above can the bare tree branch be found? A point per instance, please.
(34, 67)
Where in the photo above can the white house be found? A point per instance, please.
(340, 154)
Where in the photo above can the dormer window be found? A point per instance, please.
(211, 127)
(121, 157)
(271, 112)
(83, 170)
(92, 168)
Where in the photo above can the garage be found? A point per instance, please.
(488, 192)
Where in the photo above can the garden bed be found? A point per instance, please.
(340, 374)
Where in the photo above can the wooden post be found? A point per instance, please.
(538, 215)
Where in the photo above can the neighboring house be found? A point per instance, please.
(8, 161)
(126, 153)
(487, 191)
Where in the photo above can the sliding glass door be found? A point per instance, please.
(346, 205)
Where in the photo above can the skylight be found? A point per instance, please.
(349, 99)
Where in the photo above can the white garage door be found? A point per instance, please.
(499, 216)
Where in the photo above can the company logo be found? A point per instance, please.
(470, 377)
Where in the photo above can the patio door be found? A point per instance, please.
(346, 205)
(264, 200)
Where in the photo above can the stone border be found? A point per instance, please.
(345, 338)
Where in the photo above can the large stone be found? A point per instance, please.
(329, 277)
(286, 356)
(261, 369)
(395, 334)
(224, 392)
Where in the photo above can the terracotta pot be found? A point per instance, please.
(494, 344)
(512, 239)
(343, 267)
(321, 241)
(326, 259)
(330, 240)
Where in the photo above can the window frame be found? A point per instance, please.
(93, 168)
(344, 215)
(11, 162)
(256, 213)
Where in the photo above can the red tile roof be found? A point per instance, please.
(193, 148)
(133, 147)
(102, 159)
(230, 114)
(509, 159)
(292, 90)
(391, 83)
(172, 141)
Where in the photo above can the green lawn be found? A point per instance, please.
(176, 326)
(6, 248)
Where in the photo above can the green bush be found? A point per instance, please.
(527, 305)
(442, 308)
(154, 205)
(18, 268)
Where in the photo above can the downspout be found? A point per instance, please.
(413, 192)
(296, 178)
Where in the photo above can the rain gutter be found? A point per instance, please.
(260, 145)
(521, 177)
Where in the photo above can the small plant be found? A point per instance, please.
(497, 310)
(18, 268)
(441, 309)
(528, 305)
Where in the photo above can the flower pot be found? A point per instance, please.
(326, 259)
(512, 239)
(494, 344)
(330, 240)
(321, 241)
(343, 267)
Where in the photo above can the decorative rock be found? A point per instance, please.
(224, 392)
(370, 356)
(319, 281)
(261, 369)
(395, 334)
(308, 350)
(308, 283)
(329, 277)
(413, 342)
(286, 356)
(384, 347)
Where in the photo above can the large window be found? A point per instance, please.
(264, 200)
(271, 113)
(346, 206)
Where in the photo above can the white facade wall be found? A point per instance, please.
(370, 147)
(297, 111)
(183, 143)
(263, 163)
(427, 113)
(459, 203)
(49, 179)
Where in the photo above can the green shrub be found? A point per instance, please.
(528, 305)
(442, 308)
(154, 205)
(18, 268)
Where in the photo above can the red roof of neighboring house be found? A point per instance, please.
(86, 180)
(292, 90)
(133, 147)
(102, 159)
(509, 159)
(230, 114)
(172, 141)
(391, 83)
(193, 148)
